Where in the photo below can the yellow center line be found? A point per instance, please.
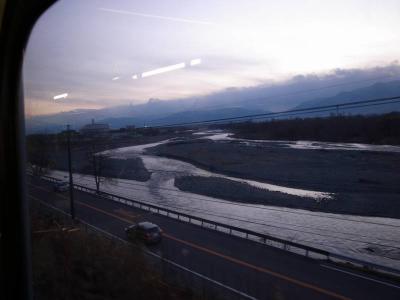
(46, 231)
(259, 269)
(105, 212)
(128, 214)
(229, 258)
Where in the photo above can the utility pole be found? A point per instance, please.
(71, 181)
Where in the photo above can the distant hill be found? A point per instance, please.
(230, 103)
(204, 115)
(52, 123)
(377, 90)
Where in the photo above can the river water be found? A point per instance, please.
(369, 238)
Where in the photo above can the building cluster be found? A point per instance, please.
(97, 129)
(103, 130)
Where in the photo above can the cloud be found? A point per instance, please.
(269, 95)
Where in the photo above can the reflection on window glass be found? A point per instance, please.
(214, 149)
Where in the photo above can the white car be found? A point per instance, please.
(61, 186)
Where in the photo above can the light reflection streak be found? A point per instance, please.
(195, 62)
(163, 70)
(65, 95)
(132, 13)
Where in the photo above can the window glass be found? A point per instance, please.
(260, 136)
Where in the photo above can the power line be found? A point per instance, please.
(327, 110)
(351, 105)
(342, 105)
(311, 90)
(328, 86)
(287, 113)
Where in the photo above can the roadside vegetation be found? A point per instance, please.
(375, 129)
(39, 150)
(69, 263)
(46, 152)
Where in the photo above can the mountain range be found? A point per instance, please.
(232, 102)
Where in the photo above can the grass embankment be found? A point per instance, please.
(80, 265)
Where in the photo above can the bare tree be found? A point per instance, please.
(38, 152)
(96, 165)
(98, 161)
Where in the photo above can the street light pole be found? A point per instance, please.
(71, 181)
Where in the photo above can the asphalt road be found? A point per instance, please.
(256, 270)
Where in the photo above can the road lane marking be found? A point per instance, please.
(47, 190)
(64, 229)
(234, 260)
(259, 269)
(104, 212)
(156, 255)
(361, 276)
(203, 276)
(53, 207)
(46, 231)
(92, 207)
(129, 214)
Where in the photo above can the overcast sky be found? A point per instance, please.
(91, 49)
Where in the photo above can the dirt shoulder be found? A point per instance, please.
(75, 264)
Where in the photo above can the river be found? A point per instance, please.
(369, 238)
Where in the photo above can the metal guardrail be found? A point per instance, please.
(265, 239)
(190, 277)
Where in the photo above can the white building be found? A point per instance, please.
(95, 129)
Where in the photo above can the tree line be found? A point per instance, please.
(48, 151)
(372, 129)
